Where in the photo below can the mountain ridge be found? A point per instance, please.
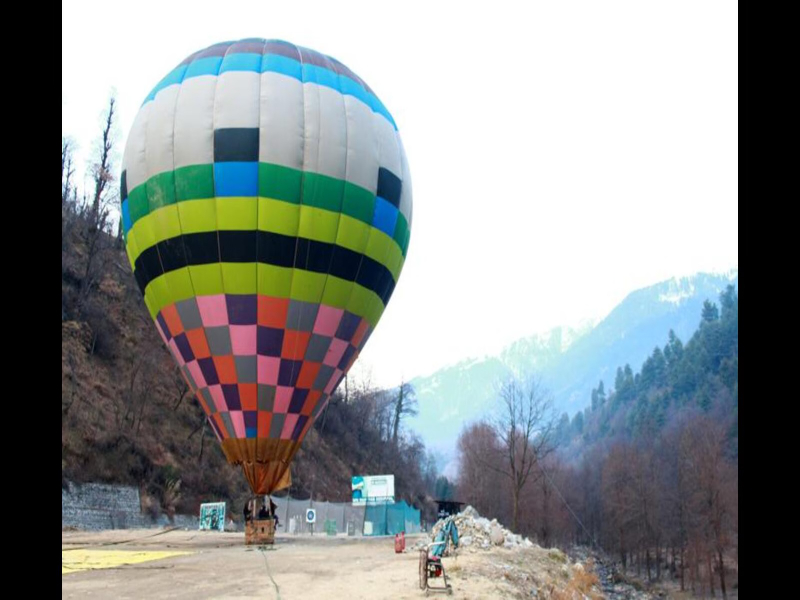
(569, 360)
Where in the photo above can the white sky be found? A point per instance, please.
(562, 153)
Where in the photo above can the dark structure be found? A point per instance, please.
(448, 507)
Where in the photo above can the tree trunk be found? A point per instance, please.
(515, 510)
(202, 445)
(709, 563)
(723, 588)
(658, 562)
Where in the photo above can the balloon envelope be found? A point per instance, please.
(266, 209)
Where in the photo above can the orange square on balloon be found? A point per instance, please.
(248, 396)
(272, 311)
(198, 342)
(264, 423)
(311, 402)
(308, 373)
(294, 344)
(226, 369)
(359, 334)
(173, 320)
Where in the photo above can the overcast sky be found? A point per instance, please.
(562, 153)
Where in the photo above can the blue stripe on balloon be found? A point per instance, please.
(274, 63)
(173, 77)
(245, 61)
(204, 66)
(236, 179)
(355, 89)
(378, 107)
(321, 76)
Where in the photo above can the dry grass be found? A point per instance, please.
(583, 584)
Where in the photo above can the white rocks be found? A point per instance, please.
(496, 536)
(476, 531)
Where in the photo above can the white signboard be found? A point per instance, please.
(311, 515)
(369, 489)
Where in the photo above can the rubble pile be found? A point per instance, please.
(475, 531)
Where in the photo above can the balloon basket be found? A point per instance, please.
(259, 531)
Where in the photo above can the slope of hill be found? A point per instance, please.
(127, 416)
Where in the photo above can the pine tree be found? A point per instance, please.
(710, 312)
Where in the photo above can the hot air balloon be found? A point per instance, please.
(266, 210)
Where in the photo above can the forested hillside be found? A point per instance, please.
(649, 471)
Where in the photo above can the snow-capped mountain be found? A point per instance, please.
(569, 361)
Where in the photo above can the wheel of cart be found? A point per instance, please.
(431, 567)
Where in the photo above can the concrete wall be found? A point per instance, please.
(100, 506)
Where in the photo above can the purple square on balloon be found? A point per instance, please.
(289, 372)
(162, 324)
(242, 309)
(348, 354)
(347, 326)
(269, 341)
(251, 419)
(183, 346)
(209, 370)
(231, 393)
(298, 400)
(298, 428)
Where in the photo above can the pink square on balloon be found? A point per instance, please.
(335, 351)
(238, 423)
(243, 339)
(213, 310)
(197, 374)
(328, 320)
(268, 368)
(218, 397)
(288, 426)
(283, 396)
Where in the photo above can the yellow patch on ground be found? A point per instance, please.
(73, 561)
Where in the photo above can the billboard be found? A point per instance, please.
(212, 516)
(370, 489)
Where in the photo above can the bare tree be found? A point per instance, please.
(98, 240)
(618, 497)
(482, 485)
(102, 165)
(524, 426)
(405, 405)
(180, 387)
(67, 170)
(715, 483)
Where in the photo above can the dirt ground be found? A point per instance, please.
(193, 564)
